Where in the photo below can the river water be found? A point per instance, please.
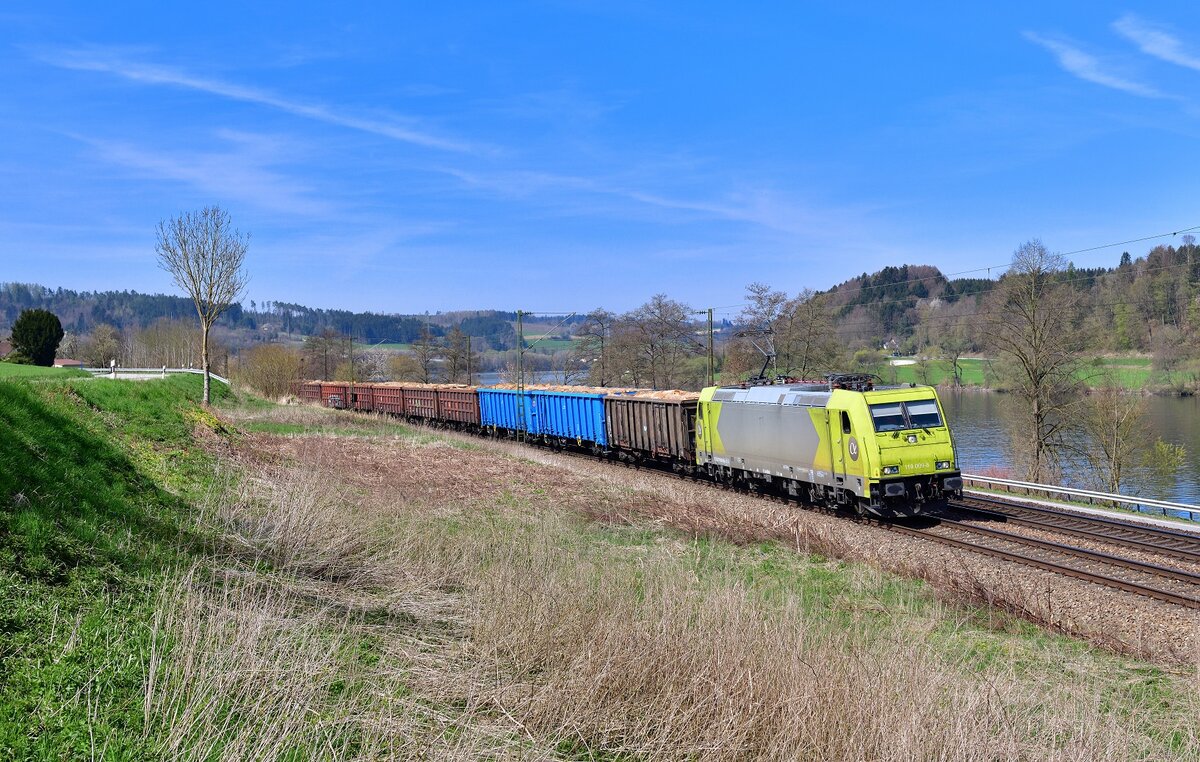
(978, 420)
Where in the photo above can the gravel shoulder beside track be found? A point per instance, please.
(389, 470)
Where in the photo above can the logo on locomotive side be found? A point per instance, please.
(853, 447)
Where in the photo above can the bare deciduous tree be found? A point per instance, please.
(460, 360)
(652, 345)
(269, 369)
(404, 367)
(323, 352)
(425, 352)
(204, 254)
(173, 343)
(1032, 327)
(590, 350)
(105, 345)
(800, 329)
(1113, 420)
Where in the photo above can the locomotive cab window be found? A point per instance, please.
(915, 414)
(923, 414)
(888, 417)
(845, 422)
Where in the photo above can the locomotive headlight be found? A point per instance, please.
(942, 464)
(889, 470)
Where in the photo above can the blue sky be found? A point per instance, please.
(560, 156)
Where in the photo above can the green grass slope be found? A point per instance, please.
(9, 370)
(86, 539)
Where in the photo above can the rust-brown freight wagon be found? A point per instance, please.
(306, 391)
(362, 397)
(653, 425)
(389, 398)
(458, 404)
(444, 402)
(336, 395)
(420, 401)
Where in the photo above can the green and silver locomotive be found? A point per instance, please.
(883, 451)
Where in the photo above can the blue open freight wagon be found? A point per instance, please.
(573, 416)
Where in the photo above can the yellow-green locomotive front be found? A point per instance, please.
(913, 459)
(886, 451)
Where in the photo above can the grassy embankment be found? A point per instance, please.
(88, 531)
(9, 370)
(334, 593)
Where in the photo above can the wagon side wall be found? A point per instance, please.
(420, 402)
(568, 415)
(459, 405)
(498, 408)
(652, 427)
(334, 395)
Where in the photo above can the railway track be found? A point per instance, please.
(1170, 543)
(1181, 587)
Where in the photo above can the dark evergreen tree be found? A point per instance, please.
(35, 336)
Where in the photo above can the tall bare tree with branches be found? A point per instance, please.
(1032, 325)
(800, 330)
(590, 350)
(205, 255)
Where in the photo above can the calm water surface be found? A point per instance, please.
(981, 436)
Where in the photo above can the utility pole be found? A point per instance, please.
(520, 422)
(469, 379)
(712, 375)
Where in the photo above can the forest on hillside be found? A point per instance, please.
(1148, 305)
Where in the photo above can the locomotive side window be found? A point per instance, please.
(888, 417)
(923, 414)
(845, 422)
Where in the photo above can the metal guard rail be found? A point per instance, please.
(160, 371)
(1139, 504)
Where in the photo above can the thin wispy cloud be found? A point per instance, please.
(1155, 41)
(151, 74)
(242, 173)
(755, 207)
(1088, 67)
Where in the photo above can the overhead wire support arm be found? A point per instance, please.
(768, 335)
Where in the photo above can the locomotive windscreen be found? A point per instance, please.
(923, 414)
(889, 417)
(914, 414)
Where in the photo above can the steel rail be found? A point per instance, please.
(1056, 521)
(1068, 571)
(1070, 550)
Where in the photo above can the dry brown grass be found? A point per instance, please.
(373, 614)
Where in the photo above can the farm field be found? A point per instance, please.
(1128, 372)
(429, 594)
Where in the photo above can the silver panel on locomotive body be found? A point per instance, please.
(770, 430)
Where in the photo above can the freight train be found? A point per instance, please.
(842, 443)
